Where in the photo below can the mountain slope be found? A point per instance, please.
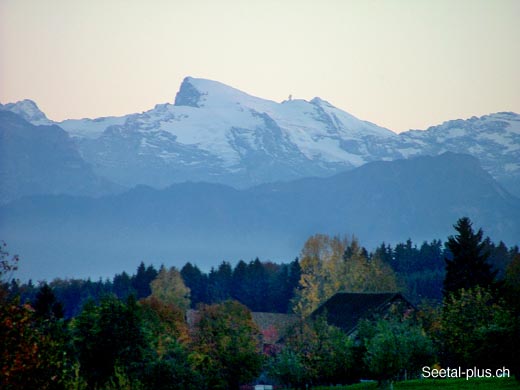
(28, 110)
(205, 223)
(216, 133)
(42, 160)
(494, 139)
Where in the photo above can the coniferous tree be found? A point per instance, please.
(46, 305)
(281, 288)
(499, 256)
(197, 282)
(240, 290)
(219, 283)
(405, 255)
(295, 272)
(430, 255)
(142, 279)
(258, 285)
(469, 266)
(385, 253)
(122, 286)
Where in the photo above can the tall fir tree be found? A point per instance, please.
(469, 265)
(142, 279)
(197, 282)
(220, 282)
(46, 306)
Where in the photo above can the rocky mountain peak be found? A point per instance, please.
(28, 110)
(188, 94)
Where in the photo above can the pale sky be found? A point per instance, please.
(400, 64)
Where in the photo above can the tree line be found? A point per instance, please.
(134, 332)
(262, 286)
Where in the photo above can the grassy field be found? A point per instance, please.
(441, 384)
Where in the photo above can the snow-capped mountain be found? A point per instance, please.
(494, 139)
(28, 110)
(216, 133)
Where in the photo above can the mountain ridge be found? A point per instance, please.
(205, 223)
(43, 160)
(216, 133)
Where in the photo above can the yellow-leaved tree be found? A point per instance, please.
(333, 264)
(169, 288)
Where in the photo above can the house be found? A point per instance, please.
(273, 327)
(344, 310)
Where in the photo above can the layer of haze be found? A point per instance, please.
(400, 64)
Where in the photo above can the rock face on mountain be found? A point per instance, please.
(215, 133)
(420, 198)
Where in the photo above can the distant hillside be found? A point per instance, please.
(42, 160)
(420, 198)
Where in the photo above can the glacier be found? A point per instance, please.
(216, 133)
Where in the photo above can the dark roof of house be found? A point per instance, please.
(345, 310)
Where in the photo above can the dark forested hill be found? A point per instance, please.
(207, 223)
